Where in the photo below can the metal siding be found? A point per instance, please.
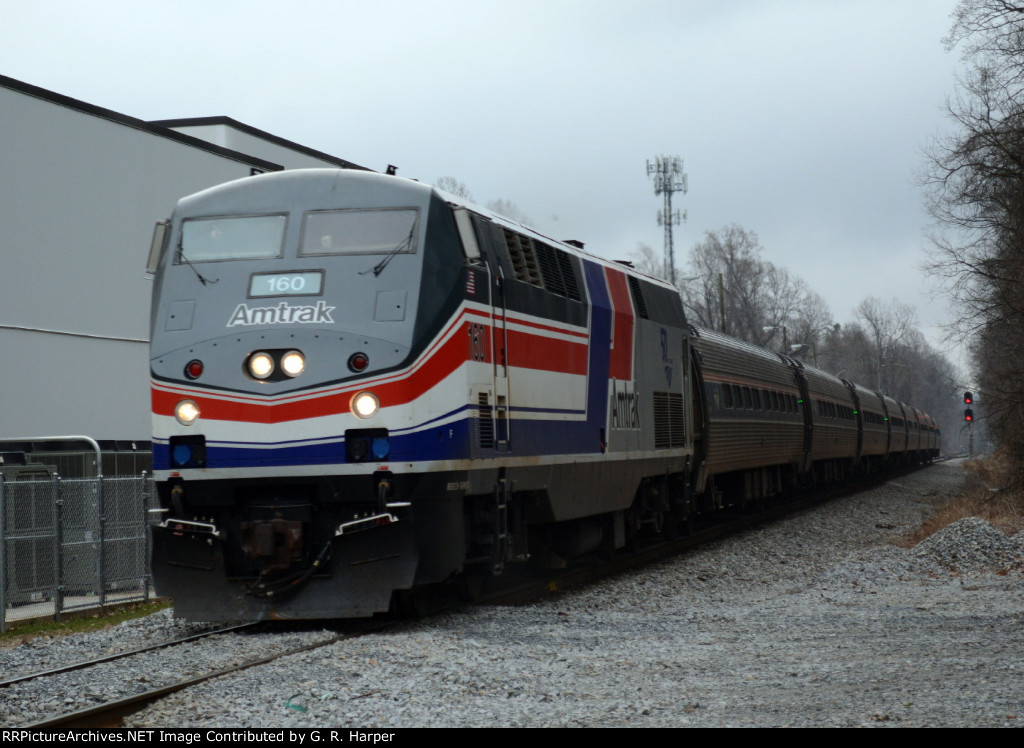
(833, 437)
(738, 439)
(876, 434)
(78, 201)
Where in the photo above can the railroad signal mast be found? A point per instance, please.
(969, 419)
(669, 178)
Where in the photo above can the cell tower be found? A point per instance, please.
(668, 178)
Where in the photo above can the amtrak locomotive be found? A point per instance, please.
(362, 386)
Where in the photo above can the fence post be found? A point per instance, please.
(58, 552)
(101, 555)
(3, 559)
(146, 549)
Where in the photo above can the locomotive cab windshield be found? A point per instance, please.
(350, 232)
(231, 238)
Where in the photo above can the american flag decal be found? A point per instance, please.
(471, 283)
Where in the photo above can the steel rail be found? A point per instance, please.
(123, 655)
(111, 713)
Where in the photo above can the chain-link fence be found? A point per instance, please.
(72, 544)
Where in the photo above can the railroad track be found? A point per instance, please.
(513, 590)
(654, 550)
(124, 655)
(111, 713)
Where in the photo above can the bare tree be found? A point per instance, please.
(788, 302)
(506, 208)
(731, 288)
(976, 193)
(888, 325)
(509, 210)
(644, 259)
(727, 265)
(848, 353)
(454, 187)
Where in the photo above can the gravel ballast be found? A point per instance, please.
(816, 620)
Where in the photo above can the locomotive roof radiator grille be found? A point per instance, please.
(549, 269)
(572, 289)
(638, 296)
(557, 271)
(524, 261)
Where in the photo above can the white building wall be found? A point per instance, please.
(251, 142)
(80, 191)
(61, 385)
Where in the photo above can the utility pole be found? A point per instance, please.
(668, 179)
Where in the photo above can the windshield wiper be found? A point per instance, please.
(202, 279)
(401, 247)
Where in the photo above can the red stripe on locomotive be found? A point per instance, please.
(621, 364)
(529, 351)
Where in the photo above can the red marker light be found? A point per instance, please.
(358, 362)
(194, 369)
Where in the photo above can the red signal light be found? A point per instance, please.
(968, 415)
(968, 398)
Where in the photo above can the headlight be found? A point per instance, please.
(292, 363)
(261, 365)
(186, 412)
(365, 404)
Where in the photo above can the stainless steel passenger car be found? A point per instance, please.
(767, 422)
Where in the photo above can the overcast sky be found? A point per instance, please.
(803, 121)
